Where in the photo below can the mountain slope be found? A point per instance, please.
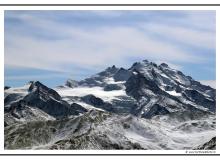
(103, 130)
(147, 106)
(143, 87)
(35, 102)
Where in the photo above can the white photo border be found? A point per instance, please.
(106, 152)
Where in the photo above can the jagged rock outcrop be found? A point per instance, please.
(71, 83)
(38, 103)
(210, 145)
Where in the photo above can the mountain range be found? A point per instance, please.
(148, 106)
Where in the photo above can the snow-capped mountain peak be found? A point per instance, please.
(156, 95)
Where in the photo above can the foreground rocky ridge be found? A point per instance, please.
(104, 130)
(147, 106)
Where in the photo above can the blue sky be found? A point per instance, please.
(52, 46)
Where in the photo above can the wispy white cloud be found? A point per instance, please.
(201, 19)
(100, 46)
(86, 47)
(34, 77)
(192, 37)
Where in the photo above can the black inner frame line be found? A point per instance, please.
(109, 4)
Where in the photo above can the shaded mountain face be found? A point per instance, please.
(100, 78)
(71, 83)
(35, 101)
(150, 93)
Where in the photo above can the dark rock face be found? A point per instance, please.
(136, 84)
(78, 108)
(44, 98)
(99, 79)
(203, 88)
(155, 110)
(5, 124)
(122, 75)
(6, 87)
(124, 105)
(169, 88)
(11, 97)
(71, 83)
(109, 71)
(200, 99)
(93, 100)
(98, 102)
(178, 89)
(40, 89)
(52, 107)
(148, 82)
(17, 105)
(49, 101)
(111, 87)
(210, 145)
(164, 65)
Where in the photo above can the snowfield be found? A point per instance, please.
(96, 91)
(18, 90)
(173, 93)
